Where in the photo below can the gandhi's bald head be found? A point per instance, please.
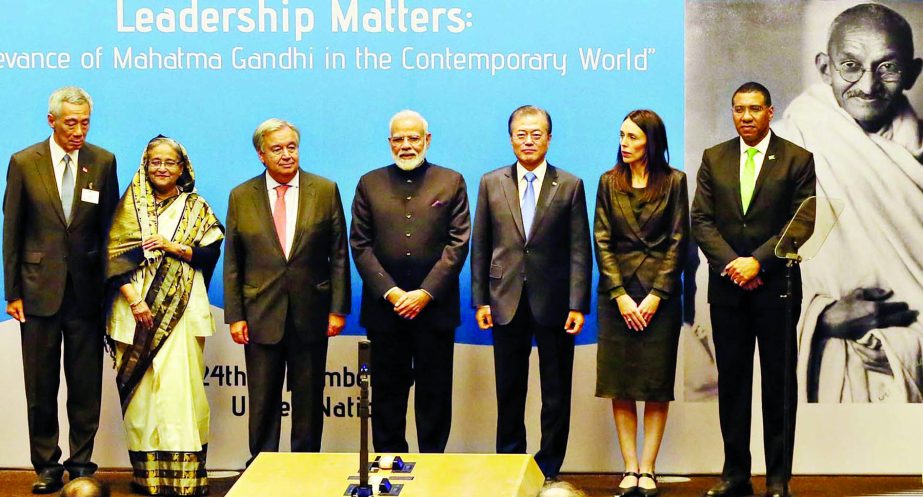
(869, 63)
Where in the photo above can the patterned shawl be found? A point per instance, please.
(135, 219)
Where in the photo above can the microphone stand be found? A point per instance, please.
(792, 259)
(364, 489)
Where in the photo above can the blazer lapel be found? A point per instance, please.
(648, 210)
(511, 192)
(621, 198)
(46, 173)
(769, 161)
(549, 189)
(305, 202)
(733, 160)
(260, 197)
(84, 164)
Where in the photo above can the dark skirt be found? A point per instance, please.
(633, 365)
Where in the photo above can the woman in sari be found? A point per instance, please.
(163, 246)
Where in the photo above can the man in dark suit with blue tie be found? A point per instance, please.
(60, 196)
(749, 187)
(530, 277)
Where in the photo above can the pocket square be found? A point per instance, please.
(438, 203)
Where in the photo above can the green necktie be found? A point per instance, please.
(748, 178)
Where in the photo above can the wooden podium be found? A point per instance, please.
(330, 475)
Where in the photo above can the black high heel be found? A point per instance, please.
(625, 491)
(648, 492)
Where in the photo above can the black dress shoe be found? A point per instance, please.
(47, 483)
(778, 490)
(726, 488)
(73, 474)
(648, 492)
(626, 491)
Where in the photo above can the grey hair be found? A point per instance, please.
(70, 94)
(405, 114)
(272, 125)
(561, 488)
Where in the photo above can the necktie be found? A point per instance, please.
(278, 216)
(528, 204)
(748, 179)
(67, 188)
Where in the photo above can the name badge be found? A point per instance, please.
(91, 196)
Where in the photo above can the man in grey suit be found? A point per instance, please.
(60, 196)
(409, 238)
(286, 286)
(530, 277)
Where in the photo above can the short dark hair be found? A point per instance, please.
(85, 486)
(753, 87)
(528, 110)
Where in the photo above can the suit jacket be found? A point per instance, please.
(261, 286)
(724, 232)
(555, 260)
(410, 230)
(651, 247)
(40, 248)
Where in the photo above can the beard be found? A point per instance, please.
(410, 164)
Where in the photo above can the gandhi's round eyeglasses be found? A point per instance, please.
(851, 71)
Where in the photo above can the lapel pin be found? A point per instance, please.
(554, 183)
(84, 169)
(772, 157)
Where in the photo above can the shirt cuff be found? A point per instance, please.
(393, 288)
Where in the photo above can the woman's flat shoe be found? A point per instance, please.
(625, 491)
(647, 492)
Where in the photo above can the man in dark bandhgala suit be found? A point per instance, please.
(60, 196)
(409, 239)
(749, 187)
(530, 278)
(286, 286)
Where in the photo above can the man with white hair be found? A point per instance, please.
(60, 196)
(409, 239)
(860, 337)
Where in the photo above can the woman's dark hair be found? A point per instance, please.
(656, 154)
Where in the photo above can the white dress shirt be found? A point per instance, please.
(291, 206)
(536, 183)
(57, 162)
(758, 159)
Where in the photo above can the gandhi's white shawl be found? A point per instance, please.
(877, 243)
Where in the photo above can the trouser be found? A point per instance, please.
(404, 356)
(512, 348)
(737, 329)
(82, 340)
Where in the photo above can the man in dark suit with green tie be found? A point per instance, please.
(60, 196)
(749, 187)
(286, 286)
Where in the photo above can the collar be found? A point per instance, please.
(538, 171)
(58, 153)
(271, 183)
(762, 146)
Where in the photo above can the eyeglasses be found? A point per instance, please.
(397, 141)
(169, 163)
(279, 150)
(522, 136)
(851, 71)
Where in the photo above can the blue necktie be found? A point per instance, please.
(528, 204)
(67, 188)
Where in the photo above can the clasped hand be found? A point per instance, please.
(408, 305)
(744, 271)
(636, 316)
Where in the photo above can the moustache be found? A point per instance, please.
(877, 95)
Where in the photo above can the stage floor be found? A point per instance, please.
(18, 483)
